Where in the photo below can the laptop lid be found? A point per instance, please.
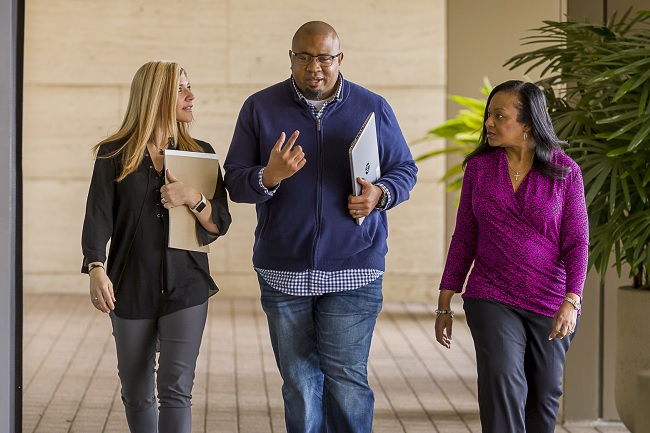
(364, 156)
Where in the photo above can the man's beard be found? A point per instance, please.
(313, 95)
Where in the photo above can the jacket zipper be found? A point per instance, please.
(319, 192)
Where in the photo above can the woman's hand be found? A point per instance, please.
(101, 290)
(444, 323)
(564, 322)
(176, 193)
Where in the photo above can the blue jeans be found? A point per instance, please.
(321, 345)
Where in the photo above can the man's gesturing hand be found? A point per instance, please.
(284, 161)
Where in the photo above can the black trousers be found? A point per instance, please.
(519, 369)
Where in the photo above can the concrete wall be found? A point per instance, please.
(80, 57)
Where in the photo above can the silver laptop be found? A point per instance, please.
(364, 156)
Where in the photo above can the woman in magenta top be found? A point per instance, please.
(522, 224)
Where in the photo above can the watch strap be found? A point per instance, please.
(200, 205)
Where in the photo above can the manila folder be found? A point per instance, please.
(199, 170)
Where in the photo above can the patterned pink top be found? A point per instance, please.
(528, 248)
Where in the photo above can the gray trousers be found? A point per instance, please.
(519, 369)
(179, 335)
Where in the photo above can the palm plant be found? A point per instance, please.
(463, 133)
(597, 81)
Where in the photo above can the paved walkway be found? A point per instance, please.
(70, 379)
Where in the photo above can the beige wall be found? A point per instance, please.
(80, 57)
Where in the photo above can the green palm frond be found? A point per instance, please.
(462, 131)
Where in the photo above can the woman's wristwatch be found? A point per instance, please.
(200, 205)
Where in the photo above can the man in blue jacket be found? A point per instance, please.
(320, 273)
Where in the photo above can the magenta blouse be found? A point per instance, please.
(528, 248)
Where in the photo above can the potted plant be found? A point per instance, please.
(597, 81)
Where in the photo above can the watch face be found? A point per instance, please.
(383, 199)
(200, 207)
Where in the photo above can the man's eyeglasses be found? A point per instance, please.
(305, 59)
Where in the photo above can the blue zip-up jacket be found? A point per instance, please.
(305, 224)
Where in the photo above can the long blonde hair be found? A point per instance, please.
(150, 116)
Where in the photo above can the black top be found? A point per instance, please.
(149, 279)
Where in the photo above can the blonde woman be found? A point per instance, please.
(151, 292)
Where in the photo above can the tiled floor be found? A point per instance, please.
(70, 380)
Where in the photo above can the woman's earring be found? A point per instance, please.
(525, 136)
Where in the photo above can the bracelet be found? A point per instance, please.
(576, 304)
(450, 312)
(95, 266)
